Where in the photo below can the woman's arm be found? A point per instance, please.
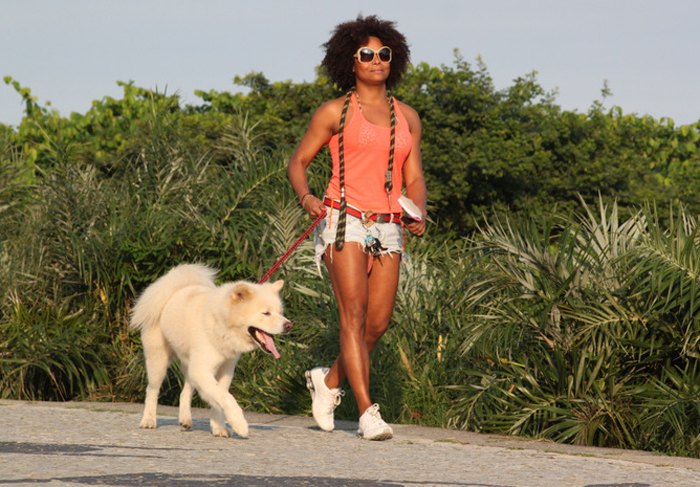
(323, 125)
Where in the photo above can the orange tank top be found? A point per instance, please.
(367, 160)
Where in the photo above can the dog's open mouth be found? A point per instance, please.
(264, 340)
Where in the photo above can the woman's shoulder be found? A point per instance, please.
(406, 109)
(329, 112)
(332, 107)
(411, 115)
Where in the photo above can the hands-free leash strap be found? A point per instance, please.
(368, 215)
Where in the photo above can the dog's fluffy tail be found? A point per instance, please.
(149, 306)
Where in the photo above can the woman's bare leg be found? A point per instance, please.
(365, 303)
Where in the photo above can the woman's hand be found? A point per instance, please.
(313, 206)
(416, 227)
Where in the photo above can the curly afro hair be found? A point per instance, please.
(347, 38)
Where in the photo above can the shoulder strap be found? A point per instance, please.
(388, 184)
(343, 215)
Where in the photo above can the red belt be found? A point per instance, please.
(377, 217)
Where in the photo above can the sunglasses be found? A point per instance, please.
(366, 55)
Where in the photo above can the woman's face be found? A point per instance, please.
(374, 71)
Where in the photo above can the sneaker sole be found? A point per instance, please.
(385, 435)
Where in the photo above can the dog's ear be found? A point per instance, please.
(240, 292)
(278, 285)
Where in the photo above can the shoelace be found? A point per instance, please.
(373, 410)
(338, 397)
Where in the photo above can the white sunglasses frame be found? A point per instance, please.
(375, 54)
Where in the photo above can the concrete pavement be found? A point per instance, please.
(85, 444)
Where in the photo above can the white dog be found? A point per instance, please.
(184, 314)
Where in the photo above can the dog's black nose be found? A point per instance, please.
(288, 326)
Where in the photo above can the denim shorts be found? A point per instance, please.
(390, 235)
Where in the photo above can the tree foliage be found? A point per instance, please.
(485, 151)
(554, 296)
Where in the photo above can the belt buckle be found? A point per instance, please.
(367, 219)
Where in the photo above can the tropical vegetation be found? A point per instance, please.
(555, 296)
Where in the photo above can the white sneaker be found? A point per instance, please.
(323, 399)
(373, 427)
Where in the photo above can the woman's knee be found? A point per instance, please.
(353, 315)
(353, 329)
(374, 331)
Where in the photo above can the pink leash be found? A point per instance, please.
(293, 247)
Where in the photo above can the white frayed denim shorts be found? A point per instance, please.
(390, 235)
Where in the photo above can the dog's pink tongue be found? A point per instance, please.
(269, 343)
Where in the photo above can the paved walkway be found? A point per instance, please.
(78, 444)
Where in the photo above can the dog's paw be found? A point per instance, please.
(220, 431)
(148, 423)
(241, 428)
(186, 424)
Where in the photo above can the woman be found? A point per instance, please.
(361, 238)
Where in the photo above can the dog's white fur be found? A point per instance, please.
(184, 314)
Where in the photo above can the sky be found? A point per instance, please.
(71, 52)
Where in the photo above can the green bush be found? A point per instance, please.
(554, 296)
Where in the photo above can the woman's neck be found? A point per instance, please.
(375, 106)
(372, 94)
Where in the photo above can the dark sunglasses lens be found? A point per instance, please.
(366, 55)
(385, 54)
